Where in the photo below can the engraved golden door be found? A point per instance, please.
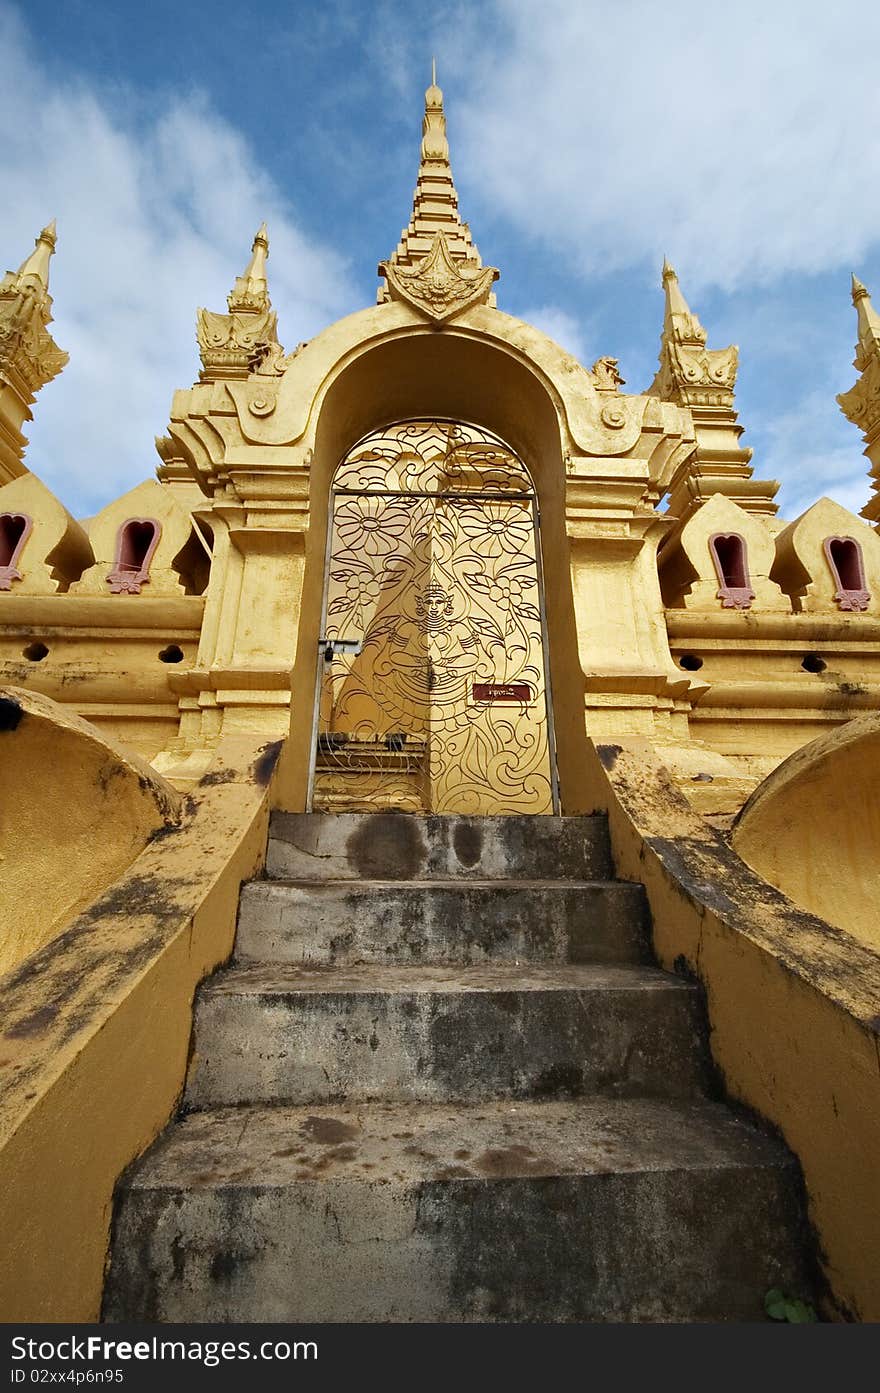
(432, 685)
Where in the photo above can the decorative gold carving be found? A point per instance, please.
(690, 372)
(436, 268)
(439, 286)
(606, 375)
(29, 355)
(433, 571)
(612, 417)
(246, 339)
(861, 404)
(263, 405)
(229, 342)
(702, 380)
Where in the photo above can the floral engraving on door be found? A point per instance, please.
(433, 567)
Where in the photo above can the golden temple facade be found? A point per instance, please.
(432, 563)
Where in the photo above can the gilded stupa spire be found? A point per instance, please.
(29, 356)
(436, 267)
(435, 201)
(861, 404)
(702, 380)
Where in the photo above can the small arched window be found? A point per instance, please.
(730, 558)
(136, 542)
(15, 528)
(844, 556)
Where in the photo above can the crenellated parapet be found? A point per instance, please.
(29, 356)
(861, 404)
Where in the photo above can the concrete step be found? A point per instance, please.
(404, 846)
(558, 1211)
(458, 921)
(299, 1035)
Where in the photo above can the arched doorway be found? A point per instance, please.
(432, 690)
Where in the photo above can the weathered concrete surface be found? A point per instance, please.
(812, 828)
(75, 811)
(793, 1005)
(376, 1131)
(95, 1035)
(400, 846)
(550, 1211)
(285, 1034)
(454, 922)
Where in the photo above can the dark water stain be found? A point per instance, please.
(264, 765)
(329, 1131)
(467, 842)
(608, 755)
(387, 846)
(32, 1024)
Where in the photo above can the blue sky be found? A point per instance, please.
(587, 141)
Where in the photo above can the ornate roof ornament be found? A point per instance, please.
(439, 286)
(702, 380)
(690, 373)
(27, 350)
(861, 404)
(436, 267)
(232, 345)
(251, 291)
(29, 356)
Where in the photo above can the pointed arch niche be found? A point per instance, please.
(15, 528)
(425, 374)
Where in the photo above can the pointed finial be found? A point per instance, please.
(435, 202)
(680, 320)
(868, 324)
(435, 146)
(251, 291)
(859, 291)
(36, 266)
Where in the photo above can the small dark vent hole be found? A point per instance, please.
(690, 662)
(35, 652)
(171, 654)
(813, 663)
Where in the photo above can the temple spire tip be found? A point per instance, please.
(251, 290)
(36, 265)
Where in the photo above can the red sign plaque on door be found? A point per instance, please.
(502, 691)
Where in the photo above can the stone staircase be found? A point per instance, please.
(442, 1081)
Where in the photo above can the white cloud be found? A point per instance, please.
(156, 211)
(560, 326)
(736, 138)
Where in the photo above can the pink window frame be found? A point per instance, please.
(125, 578)
(848, 599)
(10, 572)
(731, 596)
